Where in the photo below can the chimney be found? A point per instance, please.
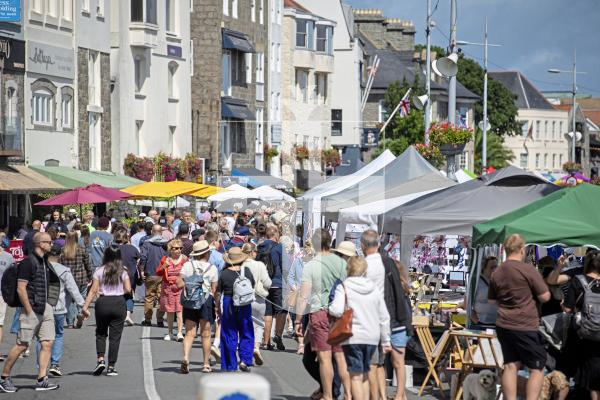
(399, 34)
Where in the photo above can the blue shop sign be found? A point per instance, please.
(10, 10)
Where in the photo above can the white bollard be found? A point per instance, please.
(234, 386)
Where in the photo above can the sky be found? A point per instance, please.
(535, 35)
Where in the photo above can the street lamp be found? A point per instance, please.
(485, 127)
(574, 72)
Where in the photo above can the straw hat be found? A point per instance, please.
(235, 256)
(200, 248)
(346, 248)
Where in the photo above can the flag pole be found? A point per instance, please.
(382, 130)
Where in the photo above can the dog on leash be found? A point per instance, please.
(481, 386)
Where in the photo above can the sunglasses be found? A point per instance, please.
(176, 248)
(45, 241)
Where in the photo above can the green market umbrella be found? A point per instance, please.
(570, 217)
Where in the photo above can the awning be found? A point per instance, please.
(236, 109)
(19, 179)
(254, 177)
(236, 41)
(72, 178)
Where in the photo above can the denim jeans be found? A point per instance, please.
(129, 302)
(58, 345)
(72, 306)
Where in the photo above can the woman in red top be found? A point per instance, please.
(170, 294)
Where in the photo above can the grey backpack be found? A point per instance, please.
(588, 318)
(243, 292)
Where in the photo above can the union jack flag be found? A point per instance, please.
(404, 108)
(462, 121)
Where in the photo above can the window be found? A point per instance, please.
(151, 12)
(524, 160)
(546, 130)
(170, 14)
(172, 84)
(260, 67)
(336, 122)
(301, 33)
(238, 67)
(52, 10)
(560, 162)
(322, 38)
(261, 11)
(43, 107)
(560, 130)
(553, 130)
(138, 137)
(137, 10)
(85, 6)
(37, 6)
(302, 85)
(248, 64)
(260, 132)
(67, 9)
(143, 11)
(225, 7)
(546, 161)
(234, 8)
(320, 88)
(278, 106)
(553, 161)
(226, 85)
(524, 128)
(538, 127)
(138, 65)
(11, 107)
(66, 117)
(235, 142)
(382, 112)
(100, 9)
(253, 11)
(279, 7)
(537, 160)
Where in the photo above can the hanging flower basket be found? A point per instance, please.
(301, 152)
(449, 138)
(330, 157)
(270, 153)
(431, 153)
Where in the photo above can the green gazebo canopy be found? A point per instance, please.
(570, 217)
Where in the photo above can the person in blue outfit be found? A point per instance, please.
(237, 329)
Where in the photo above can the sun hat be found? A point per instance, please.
(346, 248)
(200, 248)
(235, 256)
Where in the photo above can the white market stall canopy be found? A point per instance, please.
(267, 193)
(236, 192)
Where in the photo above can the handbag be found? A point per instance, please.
(554, 328)
(341, 330)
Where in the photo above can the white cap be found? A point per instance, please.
(72, 211)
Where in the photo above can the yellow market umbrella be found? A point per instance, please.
(163, 189)
(208, 190)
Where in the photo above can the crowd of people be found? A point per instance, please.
(238, 279)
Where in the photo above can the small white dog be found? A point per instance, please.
(481, 386)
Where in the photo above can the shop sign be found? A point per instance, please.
(50, 60)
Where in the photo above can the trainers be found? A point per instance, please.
(99, 368)
(244, 367)
(146, 323)
(279, 343)
(7, 386)
(128, 322)
(111, 371)
(258, 359)
(216, 353)
(160, 324)
(55, 370)
(25, 354)
(180, 337)
(45, 385)
(167, 337)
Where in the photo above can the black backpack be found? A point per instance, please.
(9, 287)
(265, 257)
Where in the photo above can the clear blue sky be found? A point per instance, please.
(535, 35)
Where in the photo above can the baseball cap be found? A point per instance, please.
(142, 215)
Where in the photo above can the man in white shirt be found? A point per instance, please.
(6, 261)
(369, 243)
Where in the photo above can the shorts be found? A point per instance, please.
(358, 357)
(378, 357)
(319, 323)
(2, 311)
(205, 313)
(37, 325)
(526, 347)
(399, 339)
(274, 302)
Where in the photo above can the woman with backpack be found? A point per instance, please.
(198, 281)
(584, 290)
(170, 294)
(261, 289)
(235, 293)
(109, 284)
(77, 259)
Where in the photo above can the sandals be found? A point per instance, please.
(185, 367)
(316, 395)
(206, 369)
(300, 349)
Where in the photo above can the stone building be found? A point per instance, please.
(308, 65)
(92, 38)
(229, 84)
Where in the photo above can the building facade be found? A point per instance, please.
(150, 53)
(308, 68)
(50, 83)
(275, 85)
(542, 146)
(229, 84)
(93, 113)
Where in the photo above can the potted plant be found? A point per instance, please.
(450, 139)
(301, 152)
(431, 153)
(270, 153)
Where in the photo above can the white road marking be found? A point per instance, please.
(149, 385)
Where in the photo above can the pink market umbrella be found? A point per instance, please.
(85, 195)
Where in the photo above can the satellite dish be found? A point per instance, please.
(480, 125)
(569, 136)
(420, 101)
(448, 66)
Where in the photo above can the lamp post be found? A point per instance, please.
(428, 74)
(452, 82)
(485, 127)
(574, 72)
